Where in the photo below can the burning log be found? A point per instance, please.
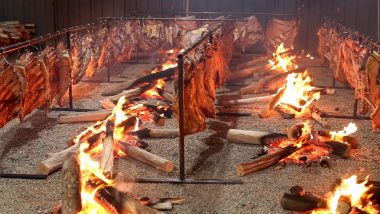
(246, 101)
(107, 104)
(251, 137)
(265, 161)
(248, 72)
(317, 117)
(157, 133)
(295, 132)
(168, 96)
(106, 162)
(339, 148)
(253, 62)
(55, 161)
(325, 91)
(91, 116)
(147, 157)
(256, 87)
(284, 113)
(131, 93)
(158, 119)
(71, 200)
(150, 78)
(302, 203)
(266, 112)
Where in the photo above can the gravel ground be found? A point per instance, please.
(208, 155)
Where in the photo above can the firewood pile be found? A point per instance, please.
(301, 144)
(12, 32)
(354, 62)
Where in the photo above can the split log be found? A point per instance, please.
(253, 62)
(302, 203)
(55, 161)
(248, 72)
(324, 91)
(150, 78)
(107, 159)
(125, 204)
(156, 133)
(161, 206)
(92, 116)
(115, 89)
(266, 112)
(353, 141)
(339, 148)
(108, 104)
(131, 93)
(168, 96)
(284, 113)
(256, 87)
(147, 157)
(251, 137)
(246, 101)
(323, 122)
(265, 161)
(71, 200)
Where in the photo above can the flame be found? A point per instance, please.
(282, 62)
(338, 136)
(354, 192)
(298, 91)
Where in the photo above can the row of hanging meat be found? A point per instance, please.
(353, 62)
(38, 77)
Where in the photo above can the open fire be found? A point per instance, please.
(281, 61)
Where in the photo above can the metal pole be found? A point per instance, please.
(355, 113)
(378, 20)
(181, 118)
(71, 106)
(108, 61)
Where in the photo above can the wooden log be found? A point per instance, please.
(339, 148)
(302, 203)
(150, 78)
(71, 199)
(325, 91)
(168, 96)
(284, 113)
(125, 204)
(295, 132)
(131, 93)
(157, 133)
(246, 101)
(164, 206)
(107, 159)
(266, 112)
(317, 117)
(115, 89)
(259, 60)
(251, 137)
(256, 87)
(55, 161)
(147, 158)
(91, 116)
(108, 104)
(247, 72)
(265, 161)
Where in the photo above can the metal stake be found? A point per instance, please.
(181, 119)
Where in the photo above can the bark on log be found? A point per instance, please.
(55, 161)
(265, 161)
(250, 137)
(71, 200)
(157, 133)
(147, 157)
(108, 104)
(131, 93)
(246, 101)
(91, 116)
(266, 112)
(168, 96)
(150, 78)
(256, 87)
(317, 117)
(339, 148)
(284, 113)
(248, 72)
(302, 203)
(253, 62)
(325, 91)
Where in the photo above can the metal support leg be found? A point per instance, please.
(181, 118)
(355, 112)
(68, 44)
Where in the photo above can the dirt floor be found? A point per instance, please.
(208, 155)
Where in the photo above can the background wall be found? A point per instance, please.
(50, 15)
